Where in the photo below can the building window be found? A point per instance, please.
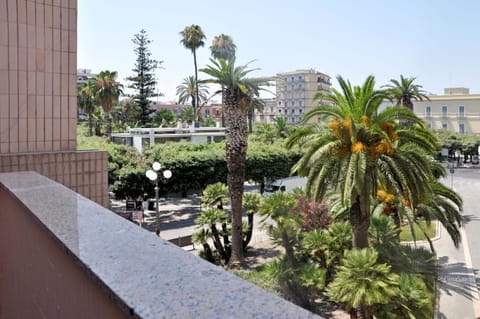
(461, 111)
(207, 113)
(445, 126)
(461, 128)
(279, 102)
(428, 111)
(444, 110)
(217, 112)
(293, 78)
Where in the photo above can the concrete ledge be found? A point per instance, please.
(150, 276)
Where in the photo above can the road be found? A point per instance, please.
(459, 277)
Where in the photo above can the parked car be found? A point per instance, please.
(286, 184)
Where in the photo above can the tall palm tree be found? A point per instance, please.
(237, 92)
(107, 92)
(192, 39)
(86, 101)
(360, 146)
(404, 92)
(187, 90)
(223, 47)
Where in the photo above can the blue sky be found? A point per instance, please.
(437, 41)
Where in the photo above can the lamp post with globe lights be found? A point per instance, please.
(152, 175)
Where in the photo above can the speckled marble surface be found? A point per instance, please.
(148, 274)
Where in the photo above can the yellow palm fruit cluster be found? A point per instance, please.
(385, 197)
(389, 129)
(341, 129)
(358, 147)
(365, 120)
(380, 149)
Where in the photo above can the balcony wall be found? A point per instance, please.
(64, 256)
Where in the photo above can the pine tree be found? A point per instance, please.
(143, 81)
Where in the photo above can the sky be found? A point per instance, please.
(436, 41)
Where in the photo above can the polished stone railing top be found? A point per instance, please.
(149, 276)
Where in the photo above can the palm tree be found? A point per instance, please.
(223, 47)
(361, 282)
(107, 91)
(86, 101)
(237, 92)
(403, 92)
(361, 146)
(192, 39)
(187, 90)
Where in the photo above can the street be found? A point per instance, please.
(459, 276)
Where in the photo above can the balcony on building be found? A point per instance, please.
(64, 256)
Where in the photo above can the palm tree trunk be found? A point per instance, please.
(360, 222)
(90, 124)
(248, 236)
(196, 86)
(236, 152)
(109, 125)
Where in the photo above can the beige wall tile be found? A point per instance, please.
(22, 11)
(56, 39)
(31, 106)
(56, 17)
(40, 14)
(56, 107)
(64, 40)
(4, 148)
(48, 131)
(13, 106)
(56, 130)
(48, 106)
(56, 83)
(40, 34)
(13, 81)
(57, 57)
(31, 60)
(40, 79)
(64, 107)
(72, 47)
(4, 106)
(31, 82)
(40, 130)
(72, 108)
(12, 58)
(64, 130)
(48, 15)
(64, 18)
(3, 32)
(22, 106)
(40, 107)
(48, 61)
(3, 84)
(12, 10)
(22, 147)
(4, 57)
(22, 82)
(12, 34)
(22, 35)
(22, 58)
(4, 130)
(30, 12)
(48, 38)
(3, 10)
(31, 133)
(31, 36)
(64, 64)
(64, 84)
(22, 131)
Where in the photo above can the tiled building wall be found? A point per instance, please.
(38, 106)
(38, 75)
(82, 171)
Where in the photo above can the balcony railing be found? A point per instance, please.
(64, 256)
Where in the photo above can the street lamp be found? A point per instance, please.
(153, 176)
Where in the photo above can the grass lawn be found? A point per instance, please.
(405, 234)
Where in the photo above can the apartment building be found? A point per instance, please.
(294, 95)
(456, 110)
